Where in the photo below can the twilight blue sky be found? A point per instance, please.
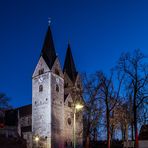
(98, 31)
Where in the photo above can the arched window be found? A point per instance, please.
(66, 85)
(40, 88)
(41, 71)
(57, 72)
(69, 104)
(71, 144)
(78, 85)
(66, 144)
(69, 121)
(57, 88)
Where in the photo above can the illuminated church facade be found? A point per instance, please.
(55, 91)
(49, 121)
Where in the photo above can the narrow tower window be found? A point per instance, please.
(57, 88)
(66, 85)
(69, 121)
(69, 104)
(40, 88)
(41, 71)
(57, 72)
(78, 85)
(66, 144)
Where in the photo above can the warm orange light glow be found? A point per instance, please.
(79, 106)
(36, 139)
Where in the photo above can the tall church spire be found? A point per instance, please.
(69, 65)
(48, 50)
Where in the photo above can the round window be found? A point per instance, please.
(69, 121)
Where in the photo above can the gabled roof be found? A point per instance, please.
(69, 65)
(48, 50)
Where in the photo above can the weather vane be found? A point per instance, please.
(49, 21)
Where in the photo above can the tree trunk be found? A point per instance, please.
(87, 142)
(135, 112)
(132, 131)
(108, 139)
(135, 125)
(95, 135)
(108, 126)
(123, 134)
(112, 134)
(126, 131)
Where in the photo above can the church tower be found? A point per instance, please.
(72, 96)
(48, 97)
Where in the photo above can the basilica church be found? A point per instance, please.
(49, 121)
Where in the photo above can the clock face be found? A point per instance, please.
(57, 80)
(41, 79)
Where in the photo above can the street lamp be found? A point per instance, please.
(79, 106)
(76, 107)
(36, 140)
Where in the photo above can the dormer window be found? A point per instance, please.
(41, 71)
(57, 72)
(40, 88)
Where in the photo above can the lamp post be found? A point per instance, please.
(76, 107)
(37, 140)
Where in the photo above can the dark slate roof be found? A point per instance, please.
(143, 132)
(48, 50)
(69, 65)
(25, 110)
(11, 117)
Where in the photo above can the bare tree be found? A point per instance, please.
(4, 105)
(110, 97)
(121, 118)
(135, 69)
(4, 102)
(93, 109)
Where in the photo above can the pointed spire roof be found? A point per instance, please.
(69, 65)
(48, 50)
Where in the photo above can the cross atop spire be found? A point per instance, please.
(48, 50)
(69, 65)
(49, 21)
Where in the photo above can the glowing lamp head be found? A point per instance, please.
(79, 106)
(36, 138)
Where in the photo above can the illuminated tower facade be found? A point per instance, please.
(48, 97)
(54, 94)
